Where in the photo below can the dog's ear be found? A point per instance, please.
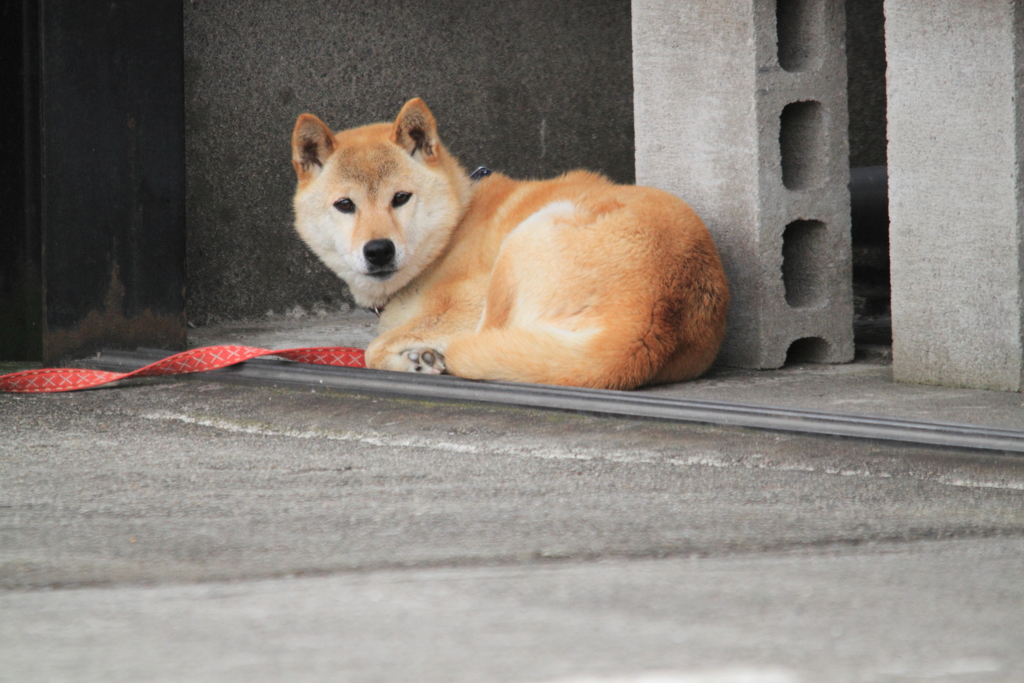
(416, 130)
(312, 144)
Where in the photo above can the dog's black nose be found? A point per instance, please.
(379, 252)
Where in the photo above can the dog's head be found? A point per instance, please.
(378, 203)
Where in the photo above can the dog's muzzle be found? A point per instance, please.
(380, 255)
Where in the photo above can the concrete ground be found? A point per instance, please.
(176, 530)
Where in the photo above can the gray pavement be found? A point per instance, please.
(181, 530)
(935, 611)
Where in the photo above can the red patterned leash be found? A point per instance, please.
(197, 360)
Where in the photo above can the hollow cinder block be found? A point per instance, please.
(740, 109)
(955, 191)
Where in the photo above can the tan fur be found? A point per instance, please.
(573, 281)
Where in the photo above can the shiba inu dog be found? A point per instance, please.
(573, 281)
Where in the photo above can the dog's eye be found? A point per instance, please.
(345, 205)
(400, 198)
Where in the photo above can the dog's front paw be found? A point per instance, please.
(424, 360)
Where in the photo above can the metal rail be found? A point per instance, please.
(616, 403)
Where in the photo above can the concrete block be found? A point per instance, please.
(740, 109)
(955, 199)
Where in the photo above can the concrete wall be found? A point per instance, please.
(528, 87)
(956, 137)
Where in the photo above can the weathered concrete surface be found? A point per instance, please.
(442, 542)
(527, 87)
(925, 611)
(748, 124)
(955, 191)
(194, 481)
(355, 327)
